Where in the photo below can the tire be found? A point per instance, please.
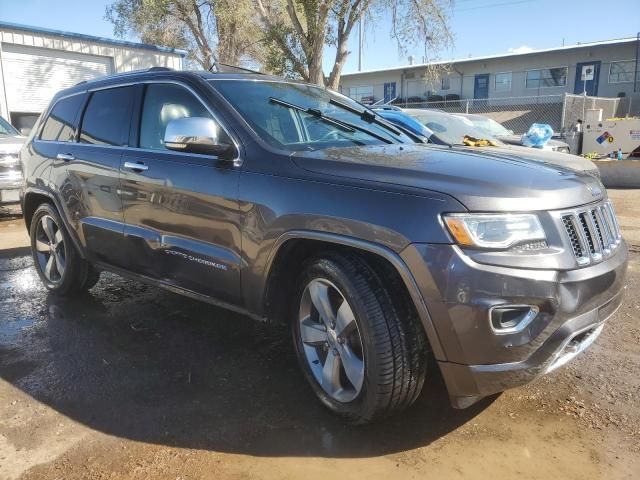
(68, 273)
(383, 335)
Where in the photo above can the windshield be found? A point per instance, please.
(450, 128)
(263, 104)
(406, 121)
(490, 126)
(6, 128)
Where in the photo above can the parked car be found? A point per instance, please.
(497, 130)
(410, 125)
(452, 129)
(289, 202)
(10, 173)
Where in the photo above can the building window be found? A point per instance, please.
(503, 81)
(621, 72)
(446, 84)
(546, 78)
(362, 94)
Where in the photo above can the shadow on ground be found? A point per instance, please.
(144, 364)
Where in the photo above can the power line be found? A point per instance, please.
(492, 5)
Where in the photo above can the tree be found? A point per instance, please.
(297, 31)
(207, 29)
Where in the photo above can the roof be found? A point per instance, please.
(91, 38)
(616, 41)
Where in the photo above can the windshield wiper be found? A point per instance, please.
(366, 115)
(342, 124)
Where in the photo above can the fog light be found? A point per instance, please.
(511, 318)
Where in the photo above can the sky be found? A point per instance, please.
(480, 27)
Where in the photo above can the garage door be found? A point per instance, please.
(33, 75)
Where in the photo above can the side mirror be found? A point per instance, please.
(196, 135)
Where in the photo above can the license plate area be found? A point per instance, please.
(9, 196)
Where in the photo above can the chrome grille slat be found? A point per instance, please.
(593, 233)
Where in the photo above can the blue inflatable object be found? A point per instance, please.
(537, 136)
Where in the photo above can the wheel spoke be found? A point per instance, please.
(58, 237)
(48, 228)
(320, 299)
(353, 366)
(60, 263)
(50, 267)
(312, 333)
(345, 320)
(42, 246)
(331, 373)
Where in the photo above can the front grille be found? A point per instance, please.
(593, 233)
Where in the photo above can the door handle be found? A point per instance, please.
(67, 157)
(141, 167)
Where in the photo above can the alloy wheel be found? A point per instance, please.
(50, 249)
(331, 340)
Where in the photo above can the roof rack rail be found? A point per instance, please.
(217, 66)
(130, 72)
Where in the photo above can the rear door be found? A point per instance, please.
(91, 187)
(181, 211)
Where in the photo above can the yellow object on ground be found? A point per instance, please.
(478, 142)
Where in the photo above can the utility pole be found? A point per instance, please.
(360, 42)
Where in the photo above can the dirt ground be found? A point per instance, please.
(133, 382)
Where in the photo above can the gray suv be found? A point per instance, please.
(288, 202)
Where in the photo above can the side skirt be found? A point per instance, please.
(179, 290)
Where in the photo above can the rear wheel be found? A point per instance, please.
(58, 263)
(359, 347)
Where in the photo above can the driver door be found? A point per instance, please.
(180, 209)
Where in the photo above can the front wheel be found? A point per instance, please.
(361, 349)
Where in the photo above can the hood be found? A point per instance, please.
(10, 144)
(481, 179)
(517, 140)
(550, 157)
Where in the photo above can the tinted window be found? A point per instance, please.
(60, 124)
(163, 103)
(107, 117)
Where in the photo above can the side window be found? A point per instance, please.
(60, 124)
(163, 103)
(107, 117)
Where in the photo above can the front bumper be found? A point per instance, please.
(10, 185)
(573, 306)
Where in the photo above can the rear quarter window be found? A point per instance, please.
(61, 125)
(107, 117)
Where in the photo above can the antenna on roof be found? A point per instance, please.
(234, 68)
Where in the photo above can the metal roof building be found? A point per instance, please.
(37, 62)
(611, 68)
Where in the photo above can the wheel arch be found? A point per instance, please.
(294, 246)
(33, 198)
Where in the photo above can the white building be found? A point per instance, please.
(611, 67)
(37, 62)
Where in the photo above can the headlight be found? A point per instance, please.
(485, 230)
(9, 160)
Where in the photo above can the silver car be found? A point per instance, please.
(499, 131)
(10, 172)
(452, 128)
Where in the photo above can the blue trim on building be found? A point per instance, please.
(91, 38)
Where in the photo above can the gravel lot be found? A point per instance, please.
(133, 382)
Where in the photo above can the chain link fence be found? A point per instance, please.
(562, 112)
(515, 113)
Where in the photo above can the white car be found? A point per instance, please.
(10, 172)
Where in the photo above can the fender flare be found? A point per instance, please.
(46, 193)
(392, 257)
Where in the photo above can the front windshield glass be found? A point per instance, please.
(6, 128)
(292, 129)
(450, 128)
(490, 126)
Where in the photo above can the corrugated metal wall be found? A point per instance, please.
(122, 58)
